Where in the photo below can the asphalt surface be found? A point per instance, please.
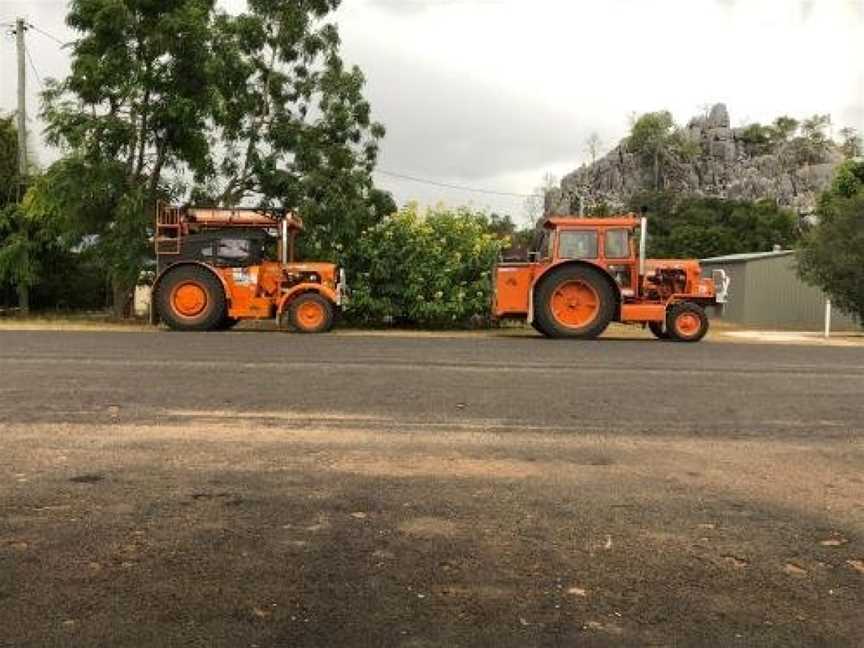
(266, 489)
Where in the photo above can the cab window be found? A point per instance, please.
(234, 249)
(617, 244)
(577, 244)
(540, 245)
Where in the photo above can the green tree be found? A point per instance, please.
(660, 143)
(831, 254)
(25, 242)
(696, 227)
(8, 161)
(813, 144)
(505, 230)
(850, 142)
(134, 106)
(25, 237)
(297, 130)
(782, 129)
(761, 139)
(432, 269)
(758, 138)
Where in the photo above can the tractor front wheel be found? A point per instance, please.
(686, 322)
(191, 298)
(574, 302)
(311, 313)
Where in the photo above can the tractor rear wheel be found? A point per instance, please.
(311, 313)
(659, 330)
(191, 298)
(686, 322)
(575, 302)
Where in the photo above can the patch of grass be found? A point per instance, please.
(69, 321)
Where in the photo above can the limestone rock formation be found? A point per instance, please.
(729, 165)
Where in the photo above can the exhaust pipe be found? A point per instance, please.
(643, 242)
(284, 233)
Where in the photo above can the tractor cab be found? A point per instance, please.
(583, 273)
(610, 243)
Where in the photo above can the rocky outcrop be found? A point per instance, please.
(728, 165)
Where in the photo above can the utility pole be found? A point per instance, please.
(20, 28)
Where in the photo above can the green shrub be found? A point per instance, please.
(423, 269)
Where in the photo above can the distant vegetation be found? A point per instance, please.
(696, 227)
(831, 254)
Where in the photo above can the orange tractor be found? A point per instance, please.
(214, 268)
(587, 272)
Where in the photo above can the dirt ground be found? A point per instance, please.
(261, 489)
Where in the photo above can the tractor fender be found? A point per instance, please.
(154, 317)
(299, 289)
(616, 289)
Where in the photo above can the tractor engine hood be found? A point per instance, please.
(321, 268)
(688, 265)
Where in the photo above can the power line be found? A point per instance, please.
(33, 67)
(44, 33)
(447, 185)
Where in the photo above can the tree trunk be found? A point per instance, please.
(24, 299)
(120, 298)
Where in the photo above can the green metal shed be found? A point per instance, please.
(765, 292)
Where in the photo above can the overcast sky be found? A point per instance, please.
(494, 93)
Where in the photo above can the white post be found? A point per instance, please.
(827, 318)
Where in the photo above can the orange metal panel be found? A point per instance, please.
(245, 301)
(643, 312)
(512, 288)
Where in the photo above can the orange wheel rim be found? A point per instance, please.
(189, 299)
(575, 303)
(310, 315)
(688, 324)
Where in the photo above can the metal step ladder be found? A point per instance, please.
(169, 232)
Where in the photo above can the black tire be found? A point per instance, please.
(301, 324)
(213, 310)
(546, 321)
(686, 312)
(659, 330)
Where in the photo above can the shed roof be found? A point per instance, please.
(747, 256)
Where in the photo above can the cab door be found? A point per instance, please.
(619, 258)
